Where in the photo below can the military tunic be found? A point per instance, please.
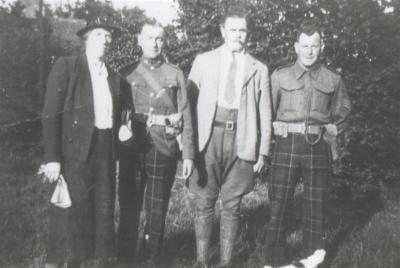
(157, 88)
(319, 92)
(313, 97)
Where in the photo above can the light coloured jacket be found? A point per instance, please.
(255, 114)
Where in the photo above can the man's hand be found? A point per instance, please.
(187, 168)
(260, 164)
(52, 171)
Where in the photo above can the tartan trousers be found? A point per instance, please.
(293, 159)
(149, 179)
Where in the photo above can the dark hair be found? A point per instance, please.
(308, 28)
(235, 11)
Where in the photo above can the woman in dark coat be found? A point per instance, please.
(79, 122)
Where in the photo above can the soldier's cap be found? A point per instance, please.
(99, 22)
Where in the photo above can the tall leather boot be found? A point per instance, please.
(73, 264)
(228, 232)
(203, 229)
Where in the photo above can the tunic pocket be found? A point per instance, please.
(321, 98)
(291, 98)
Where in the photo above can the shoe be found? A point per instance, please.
(200, 264)
(148, 264)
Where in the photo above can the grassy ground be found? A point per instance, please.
(377, 244)
(355, 239)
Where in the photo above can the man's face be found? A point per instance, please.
(151, 40)
(234, 32)
(97, 41)
(308, 49)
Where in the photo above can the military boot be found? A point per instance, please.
(228, 233)
(203, 229)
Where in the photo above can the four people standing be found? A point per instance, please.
(234, 112)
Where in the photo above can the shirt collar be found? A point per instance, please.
(97, 65)
(228, 52)
(299, 70)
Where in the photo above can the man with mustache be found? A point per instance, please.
(311, 106)
(234, 129)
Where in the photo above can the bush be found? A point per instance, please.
(362, 42)
(20, 99)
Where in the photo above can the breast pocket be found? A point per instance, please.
(139, 90)
(170, 82)
(292, 97)
(321, 98)
(169, 92)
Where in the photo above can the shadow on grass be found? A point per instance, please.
(345, 217)
(179, 245)
(348, 217)
(24, 218)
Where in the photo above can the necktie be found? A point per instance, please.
(230, 91)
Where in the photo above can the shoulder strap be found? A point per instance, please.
(155, 86)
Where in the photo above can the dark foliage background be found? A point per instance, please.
(362, 42)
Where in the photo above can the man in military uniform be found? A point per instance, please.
(234, 129)
(311, 105)
(161, 124)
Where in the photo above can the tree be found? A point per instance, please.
(362, 41)
(124, 49)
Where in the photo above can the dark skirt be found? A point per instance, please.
(86, 229)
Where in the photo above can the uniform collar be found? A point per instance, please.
(299, 70)
(152, 63)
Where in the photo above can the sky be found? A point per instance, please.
(162, 10)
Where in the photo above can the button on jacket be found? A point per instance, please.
(254, 113)
(319, 91)
(68, 113)
(170, 98)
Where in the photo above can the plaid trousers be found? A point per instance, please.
(145, 177)
(293, 159)
(158, 173)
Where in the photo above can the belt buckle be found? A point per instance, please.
(229, 125)
(302, 128)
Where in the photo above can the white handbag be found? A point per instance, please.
(61, 197)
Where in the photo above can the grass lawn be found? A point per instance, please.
(355, 239)
(377, 244)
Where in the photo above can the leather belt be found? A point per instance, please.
(282, 128)
(228, 125)
(301, 128)
(156, 119)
